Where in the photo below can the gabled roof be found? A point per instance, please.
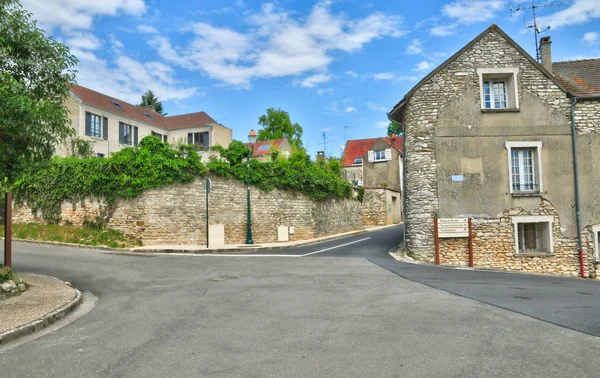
(358, 148)
(147, 116)
(581, 77)
(265, 144)
(495, 28)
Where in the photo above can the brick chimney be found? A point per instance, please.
(546, 50)
(320, 155)
(151, 107)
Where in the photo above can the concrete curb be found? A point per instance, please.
(43, 322)
(204, 251)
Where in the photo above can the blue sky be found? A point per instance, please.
(329, 64)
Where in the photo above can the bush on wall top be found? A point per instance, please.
(154, 164)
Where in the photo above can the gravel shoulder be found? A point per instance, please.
(45, 294)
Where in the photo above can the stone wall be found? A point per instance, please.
(177, 214)
(494, 247)
(587, 117)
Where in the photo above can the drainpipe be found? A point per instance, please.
(577, 207)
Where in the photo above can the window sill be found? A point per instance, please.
(535, 254)
(507, 110)
(526, 194)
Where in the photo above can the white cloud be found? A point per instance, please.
(83, 40)
(326, 130)
(277, 44)
(591, 38)
(423, 66)
(443, 30)
(580, 11)
(325, 91)
(472, 11)
(415, 47)
(79, 14)
(313, 81)
(115, 44)
(376, 107)
(382, 124)
(390, 76)
(337, 106)
(147, 29)
(126, 78)
(351, 73)
(350, 109)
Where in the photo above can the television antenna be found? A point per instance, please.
(325, 142)
(537, 29)
(345, 132)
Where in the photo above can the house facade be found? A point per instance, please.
(489, 137)
(113, 124)
(374, 162)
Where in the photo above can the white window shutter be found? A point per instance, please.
(388, 154)
(371, 156)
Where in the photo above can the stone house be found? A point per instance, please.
(490, 135)
(262, 149)
(113, 124)
(374, 162)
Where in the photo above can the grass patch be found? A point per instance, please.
(70, 234)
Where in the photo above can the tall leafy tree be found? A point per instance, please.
(394, 128)
(149, 98)
(276, 124)
(35, 72)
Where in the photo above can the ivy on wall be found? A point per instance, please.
(154, 164)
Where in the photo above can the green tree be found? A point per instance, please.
(394, 128)
(276, 124)
(149, 98)
(35, 72)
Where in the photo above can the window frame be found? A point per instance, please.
(355, 159)
(509, 76)
(538, 178)
(125, 126)
(375, 153)
(596, 238)
(92, 125)
(549, 219)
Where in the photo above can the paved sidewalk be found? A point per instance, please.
(188, 248)
(46, 300)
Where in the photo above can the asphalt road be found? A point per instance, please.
(345, 308)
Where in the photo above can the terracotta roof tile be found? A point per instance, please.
(149, 117)
(359, 147)
(265, 151)
(581, 77)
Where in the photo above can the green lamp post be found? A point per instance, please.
(252, 140)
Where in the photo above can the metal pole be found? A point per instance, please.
(576, 172)
(470, 243)
(437, 242)
(249, 223)
(8, 230)
(207, 235)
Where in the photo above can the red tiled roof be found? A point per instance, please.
(266, 151)
(358, 148)
(102, 101)
(581, 77)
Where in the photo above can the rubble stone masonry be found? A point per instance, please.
(177, 214)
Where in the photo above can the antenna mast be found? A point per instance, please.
(345, 130)
(536, 28)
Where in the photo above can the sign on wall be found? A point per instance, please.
(453, 227)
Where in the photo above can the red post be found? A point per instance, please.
(8, 230)
(470, 244)
(437, 242)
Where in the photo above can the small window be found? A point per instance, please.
(117, 105)
(264, 147)
(95, 129)
(596, 237)
(149, 116)
(524, 167)
(126, 134)
(379, 155)
(155, 134)
(533, 234)
(201, 139)
(498, 88)
(357, 161)
(99, 155)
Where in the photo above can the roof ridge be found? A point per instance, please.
(577, 60)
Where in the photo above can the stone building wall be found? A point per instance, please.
(421, 116)
(494, 247)
(587, 117)
(177, 214)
